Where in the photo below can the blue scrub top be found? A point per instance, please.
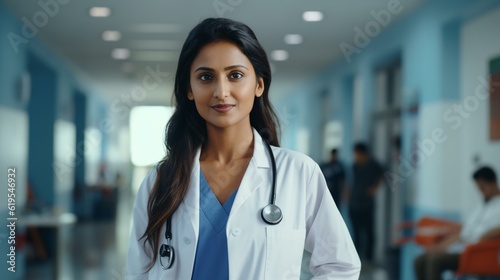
(211, 260)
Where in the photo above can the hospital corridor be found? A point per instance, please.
(250, 139)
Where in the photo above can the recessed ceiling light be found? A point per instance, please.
(279, 55)
(312, 16)
(99, 12)
(120, 53)
(111, 36)
(293, 39)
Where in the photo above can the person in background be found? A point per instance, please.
(367, 176)
(335, 177)
(483, 224)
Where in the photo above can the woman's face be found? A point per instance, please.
(223, 84)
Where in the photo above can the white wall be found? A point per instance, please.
(93, 142)
(448, 167)
(441, 159)
(480, 43)
(13, 153)
(64, 157)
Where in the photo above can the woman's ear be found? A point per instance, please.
(260, 87)
(190, 94)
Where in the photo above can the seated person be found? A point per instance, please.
(483, 224)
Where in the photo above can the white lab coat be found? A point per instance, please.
(256, 250)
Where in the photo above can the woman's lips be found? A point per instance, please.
(222, 108)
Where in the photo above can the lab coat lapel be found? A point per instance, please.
(191, 201)
(252, 179)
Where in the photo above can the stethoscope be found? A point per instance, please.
(271, 214)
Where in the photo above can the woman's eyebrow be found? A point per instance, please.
(235, 66)
(202, 68)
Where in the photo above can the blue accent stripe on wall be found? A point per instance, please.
(451, 61)
(42, 116)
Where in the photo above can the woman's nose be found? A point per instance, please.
(222, 89)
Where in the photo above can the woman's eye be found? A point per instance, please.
(236, 75)
(205, 77)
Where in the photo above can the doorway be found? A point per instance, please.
(385, 138)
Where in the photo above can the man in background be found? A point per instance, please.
(483, 224)
(367, 176)
(335, 177)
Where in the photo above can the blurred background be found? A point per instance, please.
(86, 87)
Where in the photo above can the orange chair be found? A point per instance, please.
(480, 259)
(427, 231)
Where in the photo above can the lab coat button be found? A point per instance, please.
(236, 232)
(187, 240)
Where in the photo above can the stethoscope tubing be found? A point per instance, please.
(271, 214)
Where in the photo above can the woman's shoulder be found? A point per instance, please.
(294, 158)
(149, 180)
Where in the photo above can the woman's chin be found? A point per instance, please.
(223, 123)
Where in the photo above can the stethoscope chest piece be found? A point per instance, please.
(271, 214)
(166, 250)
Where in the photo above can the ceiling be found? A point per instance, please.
(75, 35)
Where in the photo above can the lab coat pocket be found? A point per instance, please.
(284, 249)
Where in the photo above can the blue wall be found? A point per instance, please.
(54, 83)
(11, 64)
(428, 44)
(42, 116)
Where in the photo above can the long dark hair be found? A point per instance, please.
(186, 129)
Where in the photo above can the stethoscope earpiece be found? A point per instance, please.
(271, 214)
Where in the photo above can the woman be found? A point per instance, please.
(198, 214)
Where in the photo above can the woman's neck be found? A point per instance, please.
(227, 144)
